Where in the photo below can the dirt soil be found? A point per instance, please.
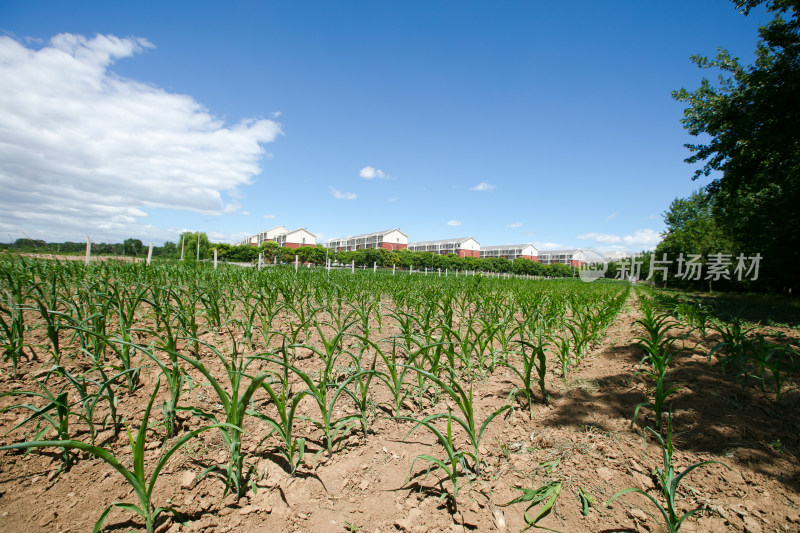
(372, 483)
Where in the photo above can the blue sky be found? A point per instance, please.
(545, 122)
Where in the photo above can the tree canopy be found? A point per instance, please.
(751, 115)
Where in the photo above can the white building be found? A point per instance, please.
(565, 257)
(462, 247)
(392, 239)
(297, 238)
(284, 237)
(511, 251)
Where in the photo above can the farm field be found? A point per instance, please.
(181, 398)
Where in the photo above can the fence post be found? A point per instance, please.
(296, 263)
(88, 250)
(353, 267)
(374, 266)
(393, 269)
(150, 254)
(215, 258)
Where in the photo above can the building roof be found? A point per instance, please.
(507, 246)
(301, 229)
(365, 235)
(458, 240)
(564, 251)
(276, 227)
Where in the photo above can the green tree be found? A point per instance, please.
(692, 229)
(191, 241)
(751, 115)
(270, 249)
(133, 247)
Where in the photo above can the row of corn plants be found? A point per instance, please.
(291, 351)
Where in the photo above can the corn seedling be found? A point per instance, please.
(669, 483)
(586, 499)
(533, 358)
(547, 494)
(464, 401)
(450, 464)
(142, 486)
(12, 322)
(54, 415)
(733, 343)
(234, 404)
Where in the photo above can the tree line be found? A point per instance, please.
(196, 245)
(747, 118)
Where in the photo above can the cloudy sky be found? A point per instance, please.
(532, 121)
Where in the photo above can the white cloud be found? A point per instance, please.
(369, 173)
(482, 186)
(643, 238)
(600, 237)
(514, 225)
(246, 213)
(83, 150)
(612, 215)
(269, 217)
(339, 195)
(640, 239)
(392, 199)
(453, 222)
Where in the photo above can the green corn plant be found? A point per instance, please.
(775, 362)
(268, 310)
(586, 499)
(247, 322)
(333, 429)
(658, 355)
(47, 304)
(137, 479)
(533, 359)
(54, 415)
(97, 307)
(759, 351)
(286, 402)
(579, 328)
(105, 390)
(394, 377)
(547, 494)
(235, 405)
(655, 341)
(660, 394)
(125, 350)
(167, 338)
(449, 465)
(563, 346)
(12, 322)
(186, 311)
(733, 343)
(484, 342)
(669, 483)
(466, 419)
(361, 389)
(212, 311)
